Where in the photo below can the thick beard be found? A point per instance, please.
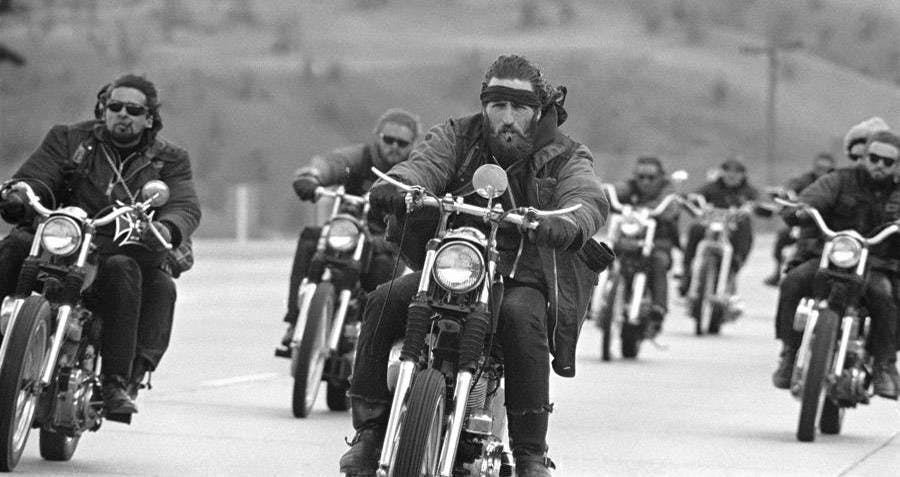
(508, 152)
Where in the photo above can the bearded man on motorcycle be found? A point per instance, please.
(822, 164)
(858, 135)
(647, 187)
(729, 189)
(546, 273)
(91, 165)
(863, 199)
(351, 166)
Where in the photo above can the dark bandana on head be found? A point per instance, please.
(498, 93)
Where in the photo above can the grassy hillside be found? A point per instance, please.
(253, 89)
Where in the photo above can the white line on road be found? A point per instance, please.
(215, 383)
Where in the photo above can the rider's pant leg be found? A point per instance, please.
(158, 294)
(660, 262)
(883, 310)
(526, 357)
(695, 235)
(118, 286)
(797, 283)
(384, 321)
(306, 248)
(13, 251)
(741, 243)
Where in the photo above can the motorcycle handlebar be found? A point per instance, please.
(616, 206)
(339, 192)
(829, 233)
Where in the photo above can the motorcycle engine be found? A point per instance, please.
(73, 412)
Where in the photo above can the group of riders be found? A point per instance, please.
(98, 163)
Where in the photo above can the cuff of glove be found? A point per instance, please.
(174, 232)
(597, 255)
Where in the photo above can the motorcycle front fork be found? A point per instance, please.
(724, 269)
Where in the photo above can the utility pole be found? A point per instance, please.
(771, 51)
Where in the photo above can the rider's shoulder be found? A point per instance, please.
(350, 151)
(167, 151)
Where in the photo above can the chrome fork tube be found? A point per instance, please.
(846, 326)
(306, 291)
(404, 379)
(637, 293)
(695, 268)
(724, 269)
(62, 324)
(454, 426)
(337, 327)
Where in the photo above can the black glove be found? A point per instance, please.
(305, 187)
(149, 239)
(387, 198)
(554, 231)
(12, 205)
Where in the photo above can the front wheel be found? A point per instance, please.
(56, 446)
(309, 358)
(419, 444)
(20, 376)
(607, 312)
(820, 352)
(707, 311)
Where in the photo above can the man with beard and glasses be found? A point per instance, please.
(548, 273)
(858, 135)
(351, 166)
(863, 199)
(93, 165)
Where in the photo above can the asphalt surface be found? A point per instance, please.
(220, 403)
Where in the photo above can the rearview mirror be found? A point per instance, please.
(156, 191)
(490, 181)
(680, 175)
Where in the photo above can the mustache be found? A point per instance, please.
(511, 128)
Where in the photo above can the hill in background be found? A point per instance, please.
(253, 89)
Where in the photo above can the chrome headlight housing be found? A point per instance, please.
(343, 235)
(630, 227)
(458, 267)
(61, 235)
(845, 251)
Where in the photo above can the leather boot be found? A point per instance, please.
(528, 439)
(885, 377)
(782, 376)
(370, 421)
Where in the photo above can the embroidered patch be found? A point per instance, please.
(79, 154)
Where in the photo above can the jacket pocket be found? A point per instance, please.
(544, 189)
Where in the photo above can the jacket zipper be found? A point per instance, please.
(555, 301)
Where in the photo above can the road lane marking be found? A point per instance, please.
(216, 383)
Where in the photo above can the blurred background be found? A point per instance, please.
(252, 89)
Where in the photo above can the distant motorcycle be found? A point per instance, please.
(832, 371)
(447, 416)
(49, 367)
(632, 230)
(330, 300)
(711, 296)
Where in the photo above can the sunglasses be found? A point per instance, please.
(131, 108)
(391, 140)
(887, 161)
(854, 157)
(647, 177)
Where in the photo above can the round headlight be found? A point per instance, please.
(458, 267)
(845, 252)
(61, 236)
(342, 235)
(630, 227)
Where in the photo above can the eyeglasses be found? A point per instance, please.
(391, 140)
(887, 161)
(647, 177)
(131, 108)
(854, 157)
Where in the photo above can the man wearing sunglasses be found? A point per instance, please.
(549, 273)
(351, 166)
(858, 135)
(92, 165)
(861, 198)
(648, 186)
(822, 164)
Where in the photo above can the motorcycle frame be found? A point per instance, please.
(721, 243)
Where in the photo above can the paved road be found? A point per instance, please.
(702, 406)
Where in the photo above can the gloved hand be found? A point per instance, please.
(387, 198)
(12, 205)
(554, 231)
(305, 187)
(149, 239)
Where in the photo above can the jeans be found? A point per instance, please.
(381, 267)
(522, 332)
(878, 298)
(660, 262)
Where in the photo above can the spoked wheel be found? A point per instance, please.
(818, 362)
(308, 359)
(418, 448)
(832, 418)
(607, 312)
(19, 389)
(56, 446)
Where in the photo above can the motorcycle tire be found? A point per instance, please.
(832, 418)
(606, 317)
(28, 344)
(632, 335)
(56, 446)
(420, 439)
(705, 303)
(308, 359)
(821, 351)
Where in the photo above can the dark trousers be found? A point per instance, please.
(657, 279)
(380, 270)
(741, 241)
(782, 240)
(522, 333)
(798, 283)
